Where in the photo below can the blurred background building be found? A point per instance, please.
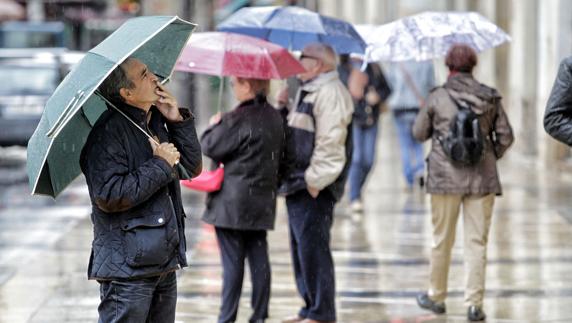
(523, 70)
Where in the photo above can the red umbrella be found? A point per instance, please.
(228, 54)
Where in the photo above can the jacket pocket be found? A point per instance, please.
(145, 241)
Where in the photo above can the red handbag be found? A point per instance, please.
(207, 181)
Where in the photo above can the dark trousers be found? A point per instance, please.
(151, 300)
(310, 221)
(235, 246)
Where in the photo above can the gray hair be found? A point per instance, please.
(324, 52)
(114, 82)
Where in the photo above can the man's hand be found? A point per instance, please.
(371, 97)
(167, 151)
(215, 119)
(314, 192)
(167, 104)
(282, 97)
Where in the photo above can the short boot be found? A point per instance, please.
(475, 313)
(427, 303)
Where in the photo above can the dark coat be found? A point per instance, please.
(434, 121)
(137, 212)
(366, 115)
(558, 114)
(249, 141)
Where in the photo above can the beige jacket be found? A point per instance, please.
(433, 121)
(331, 114)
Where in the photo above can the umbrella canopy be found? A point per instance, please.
(294, 27)
(72, 110)
(228, 54)
(430, 35)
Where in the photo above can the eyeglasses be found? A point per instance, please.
(307, 56)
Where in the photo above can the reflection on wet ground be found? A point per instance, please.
(381, 257)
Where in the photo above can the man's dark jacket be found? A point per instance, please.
(137, 211)
(250, 142)
(558, 114)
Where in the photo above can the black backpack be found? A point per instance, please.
(463, 143)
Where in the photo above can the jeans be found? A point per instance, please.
(412, 159)
(235, 246)
(364, 142)
(310, 221)
(151, 300)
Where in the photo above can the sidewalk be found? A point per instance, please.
(381, 258)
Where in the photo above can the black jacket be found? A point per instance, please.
(366, 115)
(137, 212)
(249, 141)
(558, 114)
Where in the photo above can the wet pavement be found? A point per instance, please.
(381, 257)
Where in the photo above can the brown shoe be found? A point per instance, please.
(293, 319)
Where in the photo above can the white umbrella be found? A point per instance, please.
(429, 35)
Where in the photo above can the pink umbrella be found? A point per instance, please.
(228, 54)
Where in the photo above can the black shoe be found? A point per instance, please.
(425, 302)
(476, 313)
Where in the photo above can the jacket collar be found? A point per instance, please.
(317, 82)
(136, 114)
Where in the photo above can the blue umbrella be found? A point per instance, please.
(294, 28)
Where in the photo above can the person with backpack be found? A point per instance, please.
(469, 132)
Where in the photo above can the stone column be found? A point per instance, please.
(485, 71)
(520, 101)
(204, 99)
(374, 12)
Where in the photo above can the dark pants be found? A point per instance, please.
(235, 246)
(310, 222)
(151, 300)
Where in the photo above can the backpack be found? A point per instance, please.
(464, 142)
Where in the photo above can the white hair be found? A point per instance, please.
(325, 53)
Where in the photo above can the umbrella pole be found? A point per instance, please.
(182, 169)
(220, 90)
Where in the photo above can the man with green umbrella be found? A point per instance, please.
(133, 184)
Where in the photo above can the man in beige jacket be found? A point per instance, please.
(320, 145)
(452, 185)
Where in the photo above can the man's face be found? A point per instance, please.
(311, 64)
(145, 84)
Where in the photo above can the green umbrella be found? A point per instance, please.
(73, 109)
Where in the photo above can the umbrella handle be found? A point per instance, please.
(182, 169)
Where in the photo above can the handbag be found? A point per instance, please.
(207, 181)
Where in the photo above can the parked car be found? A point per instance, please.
(36, 34)
(29, 76)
